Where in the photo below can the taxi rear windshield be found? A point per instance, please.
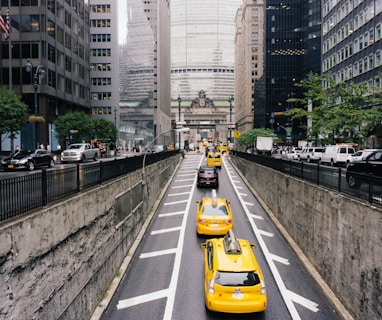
(211, 210)
(233, 279)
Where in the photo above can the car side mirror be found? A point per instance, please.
(203, 245)
(253, 246)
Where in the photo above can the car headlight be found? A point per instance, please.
(23, 161)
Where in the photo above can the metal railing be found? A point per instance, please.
(19, 195)
(326, 176)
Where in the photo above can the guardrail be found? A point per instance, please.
(19, 195)
(326, 176)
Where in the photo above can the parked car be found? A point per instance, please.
(293, 153)
(156, 148)
(359, 172)
(311, 154)
(233, 281)
(213, 216)
(359, 155)
(29, 159)
(79, 152)
(338, 154)
(207, 176)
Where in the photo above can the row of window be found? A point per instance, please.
(100, 8)
(101, 110)
(100, 96)
(359, 67)
(66, 85)
(361, 42)
(101, 81)
(358, 21)
(105, 52)
(100, 67)
(100, 23)
(60, 59)
(103, 37)
(203, 70)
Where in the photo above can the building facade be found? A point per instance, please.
(202, 48)
(292, 38)
(104, 60)
(51, 37)
(249, 62)
(144, 53)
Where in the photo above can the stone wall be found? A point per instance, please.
(341, 236)
(58, 262)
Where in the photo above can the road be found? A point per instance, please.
(164, 279)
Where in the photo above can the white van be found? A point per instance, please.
(338, 154)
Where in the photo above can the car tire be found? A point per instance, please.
(51, 163)
(353, 182)
(332, 163)
(95, 157)
(82, 159)
(308, 159)
(31, 166)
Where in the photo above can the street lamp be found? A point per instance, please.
(179, 102)
(40, 71)
(230, 99)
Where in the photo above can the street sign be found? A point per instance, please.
(237, 134)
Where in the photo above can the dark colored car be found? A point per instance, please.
(207, 176)
(28, 159)
(365, 170)
(209, 148)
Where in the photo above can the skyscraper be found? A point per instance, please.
(144, 70)
(202, 48)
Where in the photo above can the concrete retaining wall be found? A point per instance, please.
(340, 236)
(58, 262)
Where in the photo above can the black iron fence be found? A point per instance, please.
(327, 176)
(19, 195)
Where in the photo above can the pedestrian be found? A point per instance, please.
(48, 147)
(42, 146)
(58, 148)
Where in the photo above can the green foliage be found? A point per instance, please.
(88, 128)
(249, 138)
(342, 111)
(13, 112)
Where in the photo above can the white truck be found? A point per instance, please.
(264, 145)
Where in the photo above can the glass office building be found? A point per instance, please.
(202, 48)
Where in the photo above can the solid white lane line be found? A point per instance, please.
(174, 202)
(177, 194)
(255, 216)
(181, 180)
(165, 230)
(126, 303)
(309, 304)
(266, 233)
(157, 253)
(183, 186)
(162, 215)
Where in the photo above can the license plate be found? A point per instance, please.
(214, 224)
(237, 295)
(69, 158)
(207, 182)
(10, 166)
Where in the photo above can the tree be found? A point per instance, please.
(78, 125)
(249, 138)
(104, 129)
(342, 111)
(81, 127)
(13, 114)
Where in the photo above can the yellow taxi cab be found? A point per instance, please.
(214, 216)
(233, 280)
(214, 159)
